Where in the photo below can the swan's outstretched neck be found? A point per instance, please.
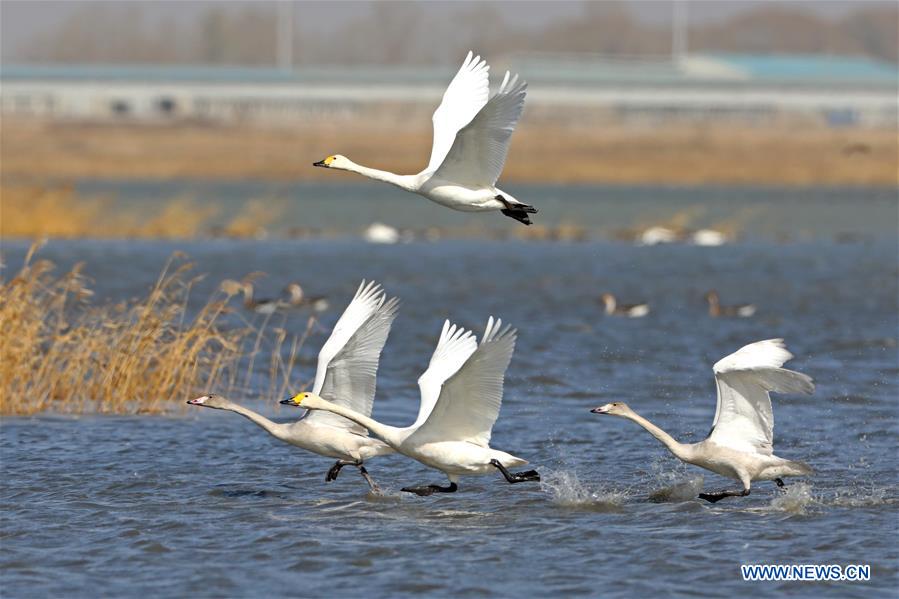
(680, 451)
(389, 434)
(407, 182)
(273, 428)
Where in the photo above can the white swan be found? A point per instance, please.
(461, 393)
(346, 374)
(740, 444)
(471, 140)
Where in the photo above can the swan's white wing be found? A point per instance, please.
(469, 401)
(744, 419)
(466, 95)
(479, 151)
(453, 349)
(348, 361)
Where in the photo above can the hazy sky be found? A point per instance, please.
(20, 20)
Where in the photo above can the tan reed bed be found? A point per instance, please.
(60, 353)
(30, 212)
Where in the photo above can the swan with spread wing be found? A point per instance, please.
(347, 369)
(472, 133)
(461, 393)
(741, 443)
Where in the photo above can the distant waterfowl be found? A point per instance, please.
(296, 298)
(461, 393)
(716, 310)
(259, 306)
(613, 308)
(709, 238)
(658, 235)
(741, 442)
(381, 233)
(347, 368)
(471, 140)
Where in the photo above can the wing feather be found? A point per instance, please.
(478, 153)
(470, 400)
(744, 418)
(466, 94)
(453, 349)
(348, 361)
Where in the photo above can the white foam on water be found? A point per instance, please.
(677, 488)
(861, 496)
(797, 497)
(566, 489)
(794, 499)
(672, 481)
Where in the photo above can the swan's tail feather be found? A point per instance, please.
(801, 468)
(375, 448)
(781, 467)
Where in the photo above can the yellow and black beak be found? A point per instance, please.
(288, 402)
(320, 163)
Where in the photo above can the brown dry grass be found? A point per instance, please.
(542, 151)
(59, 352)
(34, 212)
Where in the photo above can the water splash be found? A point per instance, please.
(385, 495)
(678, 489)
(862, 496)
(672, 482)
(567, 490)
(794, 499)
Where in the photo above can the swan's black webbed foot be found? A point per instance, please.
(371, 482)
(517, 211)
(516, 477)
(716, 496)
(431, 489)
(335, 469)
(779, 482)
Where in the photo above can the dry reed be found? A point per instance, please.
(33, 212)
(59, 352)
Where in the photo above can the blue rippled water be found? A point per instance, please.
(202, 503)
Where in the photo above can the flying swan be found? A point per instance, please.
(740, 444)
(347, 369)
(471, 139)
(461, 393)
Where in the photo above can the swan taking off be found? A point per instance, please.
(741, 442)
(461, 393)
(472, 132)
(347, 369)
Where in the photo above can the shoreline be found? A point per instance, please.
(179, 210)
(541, 152)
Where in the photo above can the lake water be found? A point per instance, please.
(602, 211)
(202, 503)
